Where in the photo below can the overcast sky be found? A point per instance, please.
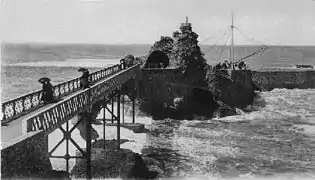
(290, 22)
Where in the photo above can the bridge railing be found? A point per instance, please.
(53, 117)
(24, 104)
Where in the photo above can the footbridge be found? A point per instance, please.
(27, 121)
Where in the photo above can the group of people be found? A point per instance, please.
(241, 65)
(48, 95)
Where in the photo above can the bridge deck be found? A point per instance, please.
(13, 131)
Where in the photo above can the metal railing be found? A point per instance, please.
(52, 118)
(24, 104)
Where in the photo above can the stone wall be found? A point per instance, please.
(26, 157)
(153, 84)
(270, 79)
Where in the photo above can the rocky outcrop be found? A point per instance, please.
(231, 89)
(195, 88)
(109, 162)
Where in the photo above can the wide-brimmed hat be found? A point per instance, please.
(82, 69)
(44, 79)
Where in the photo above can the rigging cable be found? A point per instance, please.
(213, 46)
(253, 39)
(227, 38)
(277, 44)
(210, 37)
(257, 52)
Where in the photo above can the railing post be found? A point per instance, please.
(118, 120)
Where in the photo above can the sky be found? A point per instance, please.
(288, 22)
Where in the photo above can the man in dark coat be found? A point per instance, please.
(85, 79)
(48, 92)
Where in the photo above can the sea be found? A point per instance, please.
(272, 139)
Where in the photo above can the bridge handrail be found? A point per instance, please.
(52, 117)
(22, 105)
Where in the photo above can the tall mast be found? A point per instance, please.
(232, 40)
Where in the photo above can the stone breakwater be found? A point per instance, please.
(289, 79)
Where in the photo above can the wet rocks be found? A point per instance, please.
(164, 161)
(113, 163)
(231, 89)
(224, 110)
(140, 170)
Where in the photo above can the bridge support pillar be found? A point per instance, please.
(104, 118)
(88, 146)
(112, 108)
(118, 119)
(84, 125)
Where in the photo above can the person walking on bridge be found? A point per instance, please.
(84, 81)
(48, 91)
(123, 64)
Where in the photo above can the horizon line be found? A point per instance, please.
(147, 44)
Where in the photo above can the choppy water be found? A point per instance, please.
(275, 141)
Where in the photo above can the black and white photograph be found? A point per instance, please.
(157, 89)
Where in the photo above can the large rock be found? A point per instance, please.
(113, 163)
(234, 88)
